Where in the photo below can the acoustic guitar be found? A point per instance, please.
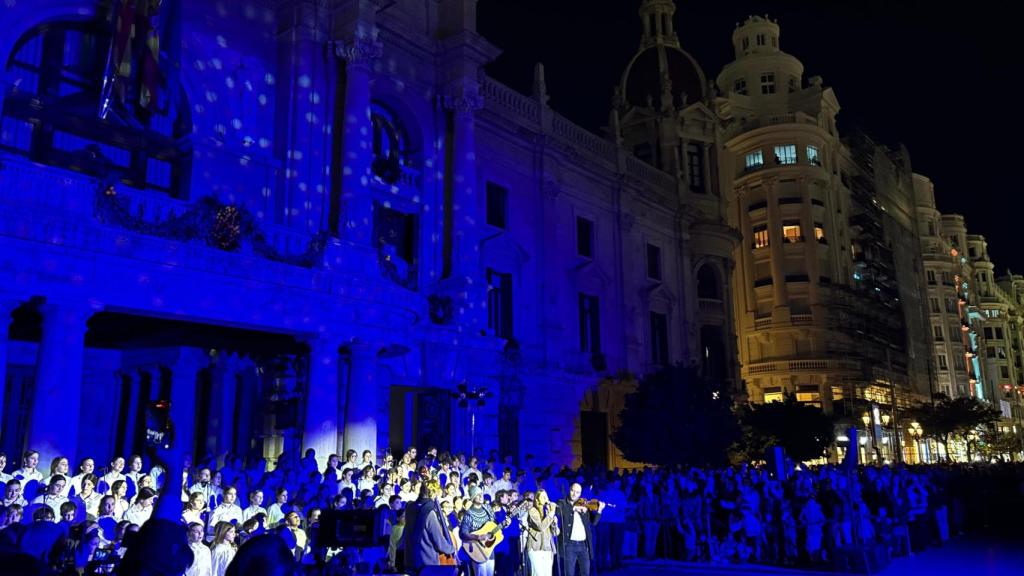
(480, 551)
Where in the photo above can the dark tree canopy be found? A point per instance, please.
(945, 417)
(676, 417)
(803, 430)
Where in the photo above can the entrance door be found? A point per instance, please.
(594, 438)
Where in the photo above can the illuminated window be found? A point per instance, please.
(819, 232)
(740, 87)
(768, 83)
(942, 362)
(808, 394)
(760, 236)
(755, 159)
(812, 156)
(785, 154)
(791, 231)
(773, 394)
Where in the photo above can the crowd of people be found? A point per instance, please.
(433, 509)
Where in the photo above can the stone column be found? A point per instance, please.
(746, 257)
(810, 243)
(6, 307)
(357, 140)
(222, 405)
(183, 396)
(56, 402)
(361, 405)
(132, 399)
(780, 295)
(320, 428)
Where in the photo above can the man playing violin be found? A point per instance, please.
(576, 543)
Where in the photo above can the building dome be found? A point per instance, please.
(643, 79)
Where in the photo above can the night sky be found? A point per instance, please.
(939, 78)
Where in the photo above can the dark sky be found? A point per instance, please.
(940, 78)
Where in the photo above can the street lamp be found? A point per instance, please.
(866, 419)
(469, 399)
(915, 432)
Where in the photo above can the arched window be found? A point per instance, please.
(388, 145)
(707, 283)
(59, 73)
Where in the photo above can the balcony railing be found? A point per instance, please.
(710, 305)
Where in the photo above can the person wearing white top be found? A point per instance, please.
(505, 482)
(4, 477)
(113, 473)
(255, 506)
(88, 498)
(85, 468)
(139, 512)
(210, 492)
(194, 509)
(52, 498)
(28, 472)
(119, 490)
(367, 480)
(228, 511)
(275, 513)
(59, 466)
(135, 472)
(12, 495)
(202, 560)
(223, 547)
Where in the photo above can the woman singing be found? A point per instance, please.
(540, 532)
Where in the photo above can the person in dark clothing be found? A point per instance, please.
(576, 544)
(427, 536)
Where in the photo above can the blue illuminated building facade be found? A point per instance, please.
(306, 223)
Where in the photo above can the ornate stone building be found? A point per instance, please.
(306, 223)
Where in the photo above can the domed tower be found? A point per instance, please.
(781, 170)
(660, 81)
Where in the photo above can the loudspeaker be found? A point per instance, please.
(355, 528)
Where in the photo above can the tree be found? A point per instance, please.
(803, 430)
(947, 417)
(997, 444)
(676, 417)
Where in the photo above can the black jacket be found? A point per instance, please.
(566, 519)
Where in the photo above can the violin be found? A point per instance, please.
(592, 505)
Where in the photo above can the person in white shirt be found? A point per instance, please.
(12, 495)
(255, 506)
(28, 472)
(223, 546)
(113, 474)
(52, 498)
(193, 512)
(505, 483)
(120, 491)
(350, 461)
(4, 477)
(210, 492)
(202, 559)
(367, 459)
(346, 481)
(275, 513)
(59, 466)
(139, 512)
(85, 468)
(88, 498)
(135, 472)
(367, 480)
(228, 511)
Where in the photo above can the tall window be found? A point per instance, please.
(388, 144)
(819, 232)
(938, 333)
(934, 303)
(497, 205)
(812, 156)
(760, 236)
(785, 154)
(590, 324)
(754, 159)
(746, 42)
(930, 274)
(958, 362)
(584, 237)
(55, 82)
(768, 83)
(760, 39)
(499, 303)
(695, 166)
(659, 339)
(951, 305)
(942, 362)
(740, 87)
(791, 231)
(653, 262)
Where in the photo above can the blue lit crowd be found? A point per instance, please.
(233, 516)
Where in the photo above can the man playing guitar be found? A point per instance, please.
(474, 535)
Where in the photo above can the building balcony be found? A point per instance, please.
(711, 305)
(802, 366)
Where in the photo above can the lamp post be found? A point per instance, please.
(469, 399)
(915, 431)
(866, 419)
